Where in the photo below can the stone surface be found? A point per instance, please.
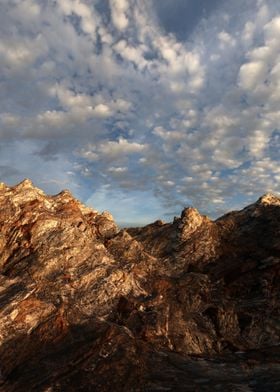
(191, 305)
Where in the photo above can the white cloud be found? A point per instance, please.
(272, 31)
(226, 39)
(52, 118)
(21, 53)
(119, 15)
(169, 136)
(130, 53)
(68, 98)
(251, 74)
(112, 150)
(248, 32)
(117, 169)
(122, 146)
(101, 110)
(258, 141)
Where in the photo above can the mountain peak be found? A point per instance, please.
(26, 183)
(190, 221)
(190, 213)
(269, 199)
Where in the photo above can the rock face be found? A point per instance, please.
(191, 305)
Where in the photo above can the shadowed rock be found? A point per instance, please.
(189, 305)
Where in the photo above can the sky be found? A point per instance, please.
(142, 107)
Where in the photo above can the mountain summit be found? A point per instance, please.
(191, 305)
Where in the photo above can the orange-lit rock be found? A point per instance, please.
(189, 305)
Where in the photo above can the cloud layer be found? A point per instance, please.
(102, 98)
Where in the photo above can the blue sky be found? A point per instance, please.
(142, 107)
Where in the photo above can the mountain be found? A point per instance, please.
(191, 305)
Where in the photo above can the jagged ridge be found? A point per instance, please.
(85, 306)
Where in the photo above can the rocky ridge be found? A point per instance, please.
(191, 305)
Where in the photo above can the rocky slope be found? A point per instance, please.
(191, 305)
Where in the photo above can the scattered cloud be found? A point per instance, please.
(115, 101)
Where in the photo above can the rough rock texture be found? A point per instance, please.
(191, 305)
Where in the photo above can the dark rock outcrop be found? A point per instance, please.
(191, 305)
